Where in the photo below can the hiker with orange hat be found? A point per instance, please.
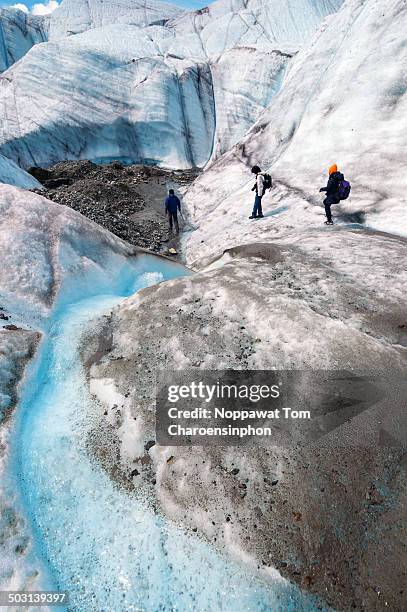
(335, 181)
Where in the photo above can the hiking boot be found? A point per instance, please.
(329, 222)
(253, 217)
(260, 216)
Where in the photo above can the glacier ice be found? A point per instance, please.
(165, 94)
(126, 102)
(19, 31)
(60, 270)
(332, 108)
(267, 24)
(327, 301)
(244, 80)
(44, 243)
(76, 16)
(11, 173)
(44, 248)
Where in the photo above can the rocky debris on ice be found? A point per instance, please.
(17, 346)
(315, 298)
(263, 306)
(168, 95)
(15, 543)
(19, 31)
(126, 200)
(43, 245)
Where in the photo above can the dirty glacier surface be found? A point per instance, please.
(67, 525)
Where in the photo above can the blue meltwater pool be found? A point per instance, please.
(109, 549)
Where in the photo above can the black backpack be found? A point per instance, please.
(268, 181)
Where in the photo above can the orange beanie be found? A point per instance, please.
(333, 169)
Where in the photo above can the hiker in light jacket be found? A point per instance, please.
(260, 190)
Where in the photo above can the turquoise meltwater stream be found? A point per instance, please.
(107, 548)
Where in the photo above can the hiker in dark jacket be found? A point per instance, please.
(172, 206)
(260, 190)
(332, 192)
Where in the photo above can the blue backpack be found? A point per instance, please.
(344, 190)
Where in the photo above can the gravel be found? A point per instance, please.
(127, 200)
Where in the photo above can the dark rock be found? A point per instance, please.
(134, 473)
(41, 174)
(57, 182)
(11, 327)
(235, 471)
(307, 581)
(21, 547)
(149, 445)
(116, 165)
